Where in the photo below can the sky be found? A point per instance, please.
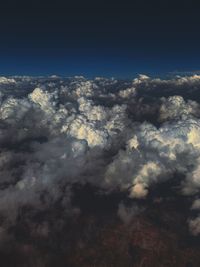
(99, 39)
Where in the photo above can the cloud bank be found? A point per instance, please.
(115, 135)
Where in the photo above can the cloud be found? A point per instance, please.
(7, 81)
(115, 135)
(126, 213)
(194, 226)
(175, 108)
(153, 155)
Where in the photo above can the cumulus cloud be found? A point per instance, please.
(176, 108)
(58, 132)
(4, 80)
(153, 155)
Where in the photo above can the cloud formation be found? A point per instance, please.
(59, 132)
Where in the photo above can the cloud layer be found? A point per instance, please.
(116, 135)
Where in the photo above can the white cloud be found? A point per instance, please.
(175, 107)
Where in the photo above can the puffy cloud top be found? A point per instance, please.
(57, 132)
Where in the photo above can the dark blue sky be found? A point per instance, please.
(123, 39)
